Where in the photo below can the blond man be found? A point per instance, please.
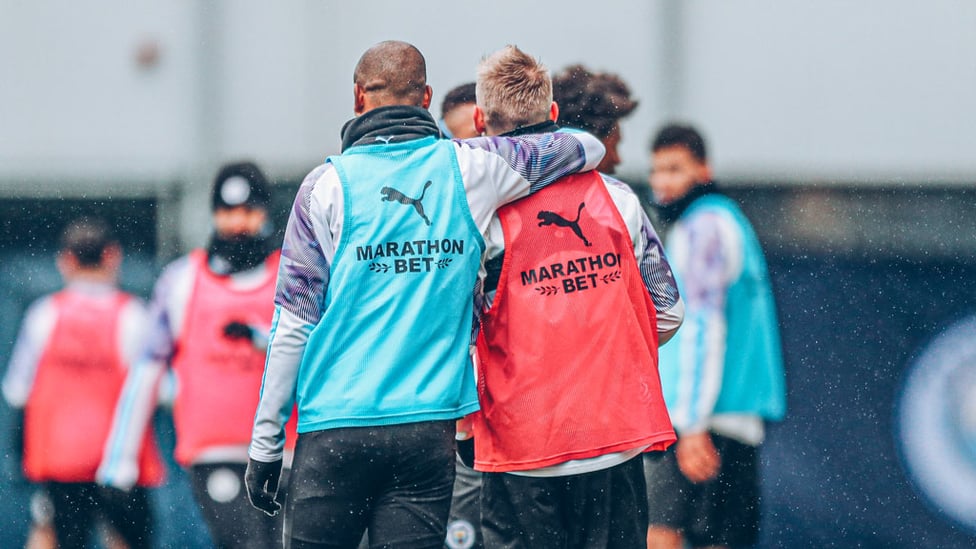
(578, 298)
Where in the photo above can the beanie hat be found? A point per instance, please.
(240, 184)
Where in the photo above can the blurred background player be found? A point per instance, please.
(67, 369)
(209, 318)
(457, 113)
(594, 102)
(723, 373)
(567, 354)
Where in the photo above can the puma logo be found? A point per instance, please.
(384, 138)
(392, 195)
(552, 218)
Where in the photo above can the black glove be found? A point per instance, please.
(465, 451)
(262, 485)
(238, 330)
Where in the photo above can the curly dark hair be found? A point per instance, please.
(590, 101)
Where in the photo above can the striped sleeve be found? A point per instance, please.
(707, 253)
(309, 246)
(311, 236)
(654, 267)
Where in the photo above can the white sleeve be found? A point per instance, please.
(499, 170)
(707, 249)
(36, 329)
(132, 330)
(138, 399)
(289, 335)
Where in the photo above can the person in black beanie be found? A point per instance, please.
(209, 322)
(239, 202)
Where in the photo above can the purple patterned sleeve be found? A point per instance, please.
(656, 271)
(544, 158)
(303, 275)
(653, 263)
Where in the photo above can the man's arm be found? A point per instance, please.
(707, 252)
(18, 382)
(303, 279)
(34, 332)
(133, 410)
(499, 170)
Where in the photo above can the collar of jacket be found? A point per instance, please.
(542, 127)
(393, 124)
(671, 212)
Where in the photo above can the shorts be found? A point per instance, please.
(722, 511)
(604, 509)
(464, 524)
(76, 507)
(394, 481)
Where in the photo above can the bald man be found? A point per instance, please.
(373, 312)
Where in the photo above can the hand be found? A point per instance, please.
(261, 480)
(464, 428)
(237, 330)
(697, 457)
(122, 476)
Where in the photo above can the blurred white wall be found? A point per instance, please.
(789, 91)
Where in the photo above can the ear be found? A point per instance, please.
(428, 94)
(112, 258)
(706, 171)
(554, 112)
(359, 101)
(479, 120)
(66, 263)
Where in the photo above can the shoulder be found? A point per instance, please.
(132, 301)
(40, 308)
(177, 273)
(181, 264)
(624, 198)
(321, 173)
(618, 190)
(713, 219)
(322, 184)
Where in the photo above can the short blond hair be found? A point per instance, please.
(513, 90)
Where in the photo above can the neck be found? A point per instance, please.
(671, 212)
(391, 124)
(92, 276)
(546, 126)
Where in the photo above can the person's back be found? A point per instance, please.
(567, 351)
(402, 251)
(374, 309)
(67, 370)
